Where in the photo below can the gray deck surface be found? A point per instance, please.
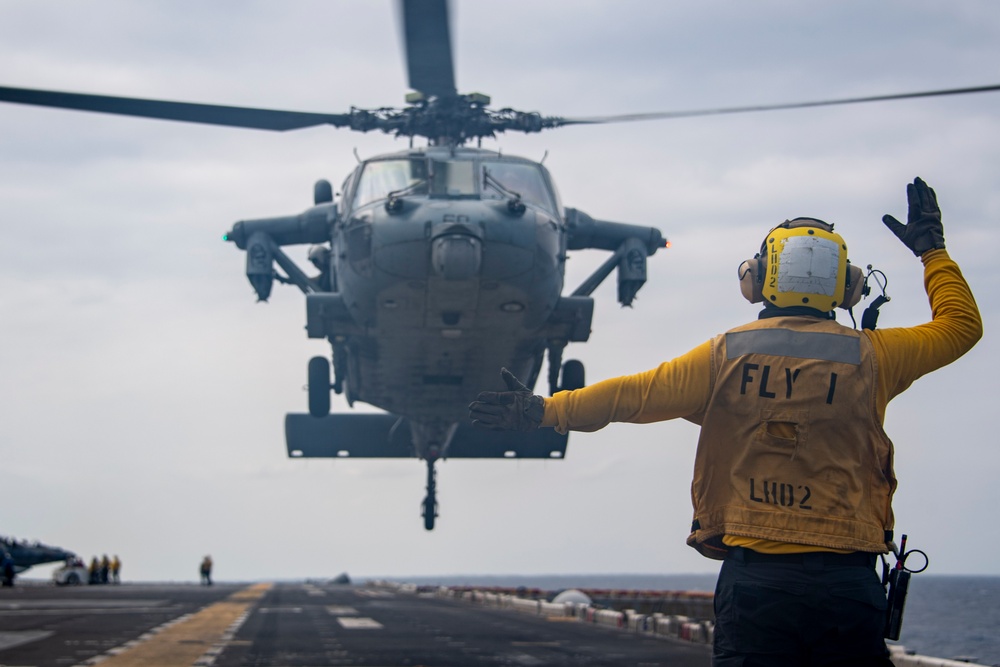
(306, 624)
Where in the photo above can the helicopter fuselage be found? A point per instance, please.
(445, 287)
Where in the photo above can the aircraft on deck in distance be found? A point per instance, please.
(29, 554)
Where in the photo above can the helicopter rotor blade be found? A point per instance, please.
(660, 115)
(211, 114)
(429, 63)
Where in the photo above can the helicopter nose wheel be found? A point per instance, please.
(429, 504)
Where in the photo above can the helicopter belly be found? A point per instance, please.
(432, 351)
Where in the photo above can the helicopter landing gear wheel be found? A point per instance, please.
(429, 504)
(319, 387)
(573, 376)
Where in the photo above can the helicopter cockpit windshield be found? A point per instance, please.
(437, 178)
(452, 179)
(498, 179)
(382, 177)
(518, 178)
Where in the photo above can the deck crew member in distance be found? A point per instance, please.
(793, 475)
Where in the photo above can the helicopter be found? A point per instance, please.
(436, 265)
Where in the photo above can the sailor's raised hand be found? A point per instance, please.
(923, 230)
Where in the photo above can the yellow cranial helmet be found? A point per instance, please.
(802, 262)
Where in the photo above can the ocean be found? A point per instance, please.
(946, 616)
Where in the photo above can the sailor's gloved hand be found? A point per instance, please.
(514, 410)
(923, 230)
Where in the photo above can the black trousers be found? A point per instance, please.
(798, 610)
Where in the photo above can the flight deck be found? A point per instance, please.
(298, 624)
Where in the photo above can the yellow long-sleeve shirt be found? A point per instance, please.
(681, 388)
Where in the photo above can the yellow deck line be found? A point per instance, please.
(182, 644)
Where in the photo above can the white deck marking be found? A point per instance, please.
(76, 604)
(12, 639)
(368, 593)
(358, 623)
(342, 611)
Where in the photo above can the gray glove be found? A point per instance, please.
(514, 410)
(923, 230)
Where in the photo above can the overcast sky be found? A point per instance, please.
(143, 391)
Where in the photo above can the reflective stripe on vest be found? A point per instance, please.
(798, 344)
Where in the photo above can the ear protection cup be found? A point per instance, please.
(854, 289)
(751, 274)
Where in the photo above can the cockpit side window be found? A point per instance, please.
(519, 178)
(555, 191)
(345, 191)
(382, 177)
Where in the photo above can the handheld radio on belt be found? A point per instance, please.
(898, 581)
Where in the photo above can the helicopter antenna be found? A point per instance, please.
(542, 161)
(356, 156)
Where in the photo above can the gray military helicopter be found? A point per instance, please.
(436, 266)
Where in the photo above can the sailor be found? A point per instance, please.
(206, 571)
(105, 570)
(793, 476)
(7, 572)
(116, 568)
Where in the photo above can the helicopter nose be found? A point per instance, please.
(456, 256)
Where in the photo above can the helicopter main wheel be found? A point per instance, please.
(319, 387)
(573, 376)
